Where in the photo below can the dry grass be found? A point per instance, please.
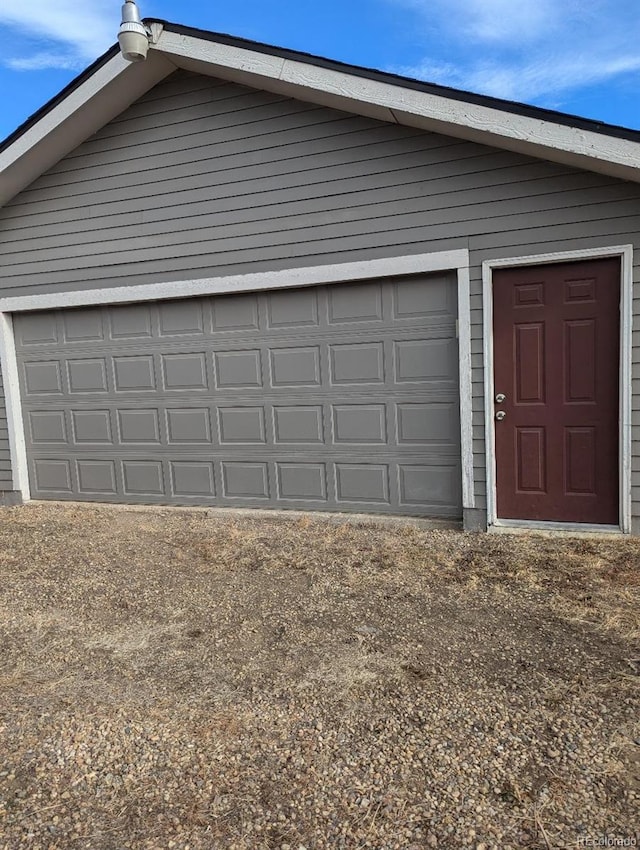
(182, 643)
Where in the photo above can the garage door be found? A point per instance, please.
(339, 397)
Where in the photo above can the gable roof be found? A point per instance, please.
(111, 84)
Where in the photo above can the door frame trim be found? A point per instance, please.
(455, 261)
(625, 253)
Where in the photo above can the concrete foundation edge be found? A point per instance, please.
(474, 519)
(10, 498)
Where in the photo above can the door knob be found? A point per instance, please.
(500, 398)
(500, 415)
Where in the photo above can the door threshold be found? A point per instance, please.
(526, 525)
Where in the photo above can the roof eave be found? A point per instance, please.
(109, 86)
(71, 120)
(479, 120)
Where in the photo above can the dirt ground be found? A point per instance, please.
(177, 679)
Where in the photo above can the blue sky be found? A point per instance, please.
(578, 56)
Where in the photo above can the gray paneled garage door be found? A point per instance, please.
(338, 397)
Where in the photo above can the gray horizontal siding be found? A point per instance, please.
(201, 178)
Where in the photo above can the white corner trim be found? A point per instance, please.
(625, 253)
(310, 276)
(538, 136)
(13, 406)
(487, 359)
(466, 388)
(626, 400)
(313, 275)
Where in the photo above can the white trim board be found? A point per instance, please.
(457, 261)
(539, 137)
(524, 526)
(301, 276)
(13, 407)
(625, 253)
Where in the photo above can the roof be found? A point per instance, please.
(110, 85)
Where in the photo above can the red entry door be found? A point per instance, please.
(556, 354)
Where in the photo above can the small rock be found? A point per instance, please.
(553, 754)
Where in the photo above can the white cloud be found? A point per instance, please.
(529, 49)
(524, 81)
(492, 20)
(42, 61)
(72, 33)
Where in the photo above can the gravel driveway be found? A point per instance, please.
(173, 679)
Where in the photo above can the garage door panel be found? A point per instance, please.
(97, 477)
(129, 322)
(83, 325)
(302, 424)
(42, 378)
(410, 302)
(139, 426)
(427, 423)
(357, 363)
(143, 477)
(295, 367)
(335, 398)
(414, 487)
(184, 372)
(400, 427)
(182, 317)
(134, 373)
(238, 369)
(244, 341)
(52, 475)
(245, 479)
(302, 481)
(362, 482)
(39, 329)
(192, 479)
(186, 425)
(87, 375)
(422, 484)
(360, 302)
(47, 427)
(297, 309)
(419, 360)
(91, 426)
(241, 424)
(363, 424)
(235, 313)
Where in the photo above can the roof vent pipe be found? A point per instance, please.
(133, 35)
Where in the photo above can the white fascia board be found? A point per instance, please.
(252, 68)
(537, 137)
(104, 95)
